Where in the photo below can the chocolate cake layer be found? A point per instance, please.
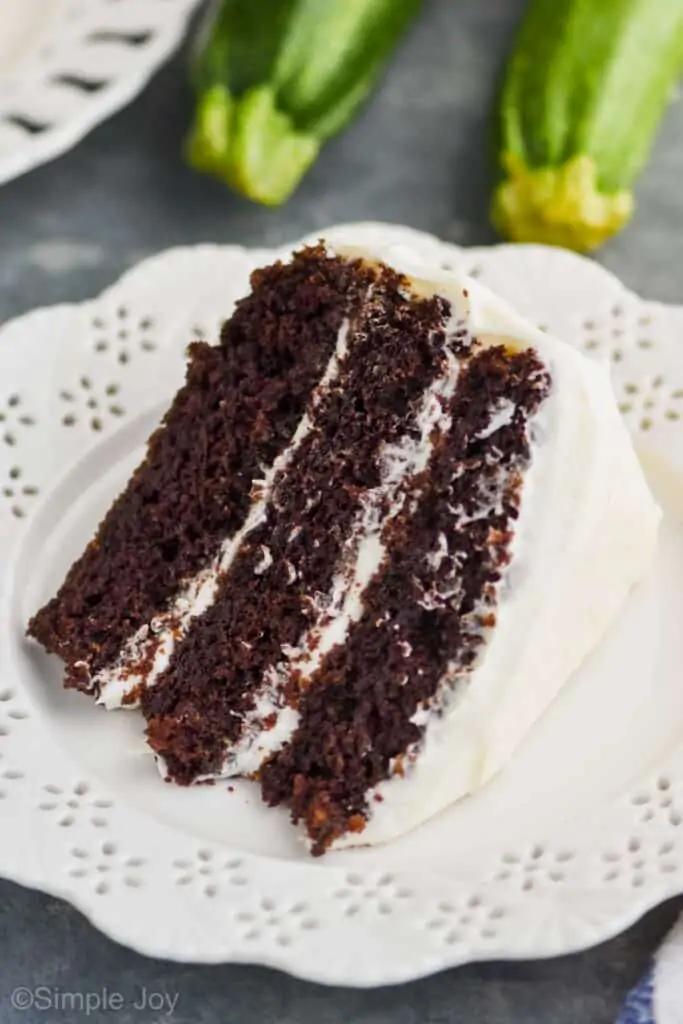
(283, 575)
(426, 614)
(239, 408)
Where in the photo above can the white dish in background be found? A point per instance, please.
(66, 65)
(573, 841)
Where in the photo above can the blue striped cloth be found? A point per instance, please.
(639, 1008)
(658, 997)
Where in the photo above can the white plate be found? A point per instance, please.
(66, 65)
(577, 838)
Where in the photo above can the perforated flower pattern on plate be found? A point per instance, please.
(75, 805)
(122, 336)
(209, 871)
(104, 867)
(90, 377)
(85, 403)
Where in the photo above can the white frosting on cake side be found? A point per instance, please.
(586, 534)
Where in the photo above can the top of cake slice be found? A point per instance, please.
(380, 526)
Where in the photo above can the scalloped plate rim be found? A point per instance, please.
(55, 142)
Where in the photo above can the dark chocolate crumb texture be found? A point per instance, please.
(306, 569)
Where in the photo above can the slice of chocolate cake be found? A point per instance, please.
(379, 527)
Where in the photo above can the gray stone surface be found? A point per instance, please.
(416, 155)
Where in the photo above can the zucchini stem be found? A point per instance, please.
(558, 205)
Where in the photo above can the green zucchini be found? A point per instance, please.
(276, 78)
(583, 95)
